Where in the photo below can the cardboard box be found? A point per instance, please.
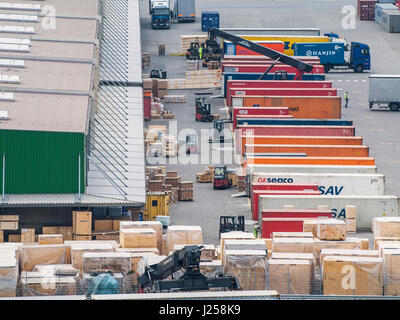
(82, 223)
(28, 235)
(352, 276)
(65, 231)
(331, 229)
(50, 239)
(138, 238)
(290, 276)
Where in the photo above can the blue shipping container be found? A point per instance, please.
(294, 122)
(268, 76)
(328, 52)
(209, 19)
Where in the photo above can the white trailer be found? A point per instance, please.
(368, 206)
(329, 184)
(384, 91)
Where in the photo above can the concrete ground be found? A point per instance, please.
(379, 129)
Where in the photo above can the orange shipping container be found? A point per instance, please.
(308, 140)
(329, 161)
(310, 150)
(312, 107)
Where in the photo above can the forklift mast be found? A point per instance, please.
(302, 67)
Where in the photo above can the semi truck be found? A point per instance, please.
(185, 10)
(332, 55)
(384, 91)
(160, 14)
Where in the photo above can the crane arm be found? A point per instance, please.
(275, 55)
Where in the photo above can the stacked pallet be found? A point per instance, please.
(174, 98)
(187, 39)
(168, 115)
(146, 59)
(197, 79)
(185, 191)
(351, 218)
(206, 176)
(170, 146)
(192, 65)
(9, 222)
(213, 65)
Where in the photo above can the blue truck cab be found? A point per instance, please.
(332, 55)
(160, 14)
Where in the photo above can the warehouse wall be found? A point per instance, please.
(41, 162)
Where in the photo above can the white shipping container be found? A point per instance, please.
(334, 184)
(252, 168)
(368, 206)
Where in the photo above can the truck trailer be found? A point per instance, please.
(185, 10)
(384, 91)
(332, 55)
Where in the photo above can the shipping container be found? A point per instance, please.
(271, 225)
(297, 130)
(296, 213)
(379, 7)
(358, 161)
(233, 84)
(304, 121)
(390, 21)
(329, 184)
(305, 107)
(209, 19)
(278, 111)
(273, 168)
(365, 9)
(282, 92)
(233, 49)
(263, 59)
(261, 68)
(269, 76)
(256, 194)
(258, 64)
(275, 31)
(147, 105)
(368, 206)
(288, 41)
(310, 150)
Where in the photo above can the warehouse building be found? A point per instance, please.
(71, 109)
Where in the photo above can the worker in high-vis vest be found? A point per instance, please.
(200, 52)
(346, 99)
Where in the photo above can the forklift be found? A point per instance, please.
(230, 223)
(193, 52)
(221, 180)
(158, 74)
(202, 109)
(218, 132)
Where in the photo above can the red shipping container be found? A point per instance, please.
(319, 92)
(274, 45)
(147, 105)
(296, 213)
(264, 58)
(366, 9)
(295, 130)
(231, 84)
(270, 225)
(256, 195)
(261, 68)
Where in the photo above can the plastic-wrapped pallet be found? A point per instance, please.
(378, 241)
(155, 225)
(386, 226)
(43, 284)
(249, 267)
(331, 229)
(174, 98)
(344, 275)
(253, 244)
(116, 262)
(296, 256)
(122, 284)
(138, 238)
(347, 252)
(32, 255)
(290, 276)
(387, 245)
(187, 235)
(391, 260)
(8, 275)
(234, 235)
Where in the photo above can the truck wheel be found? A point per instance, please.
(394, 106)
(371, 105)
(327, 68)
(359, 68)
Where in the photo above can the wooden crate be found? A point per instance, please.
(207, 267)
(347, 252)
(381, 245)
(344, 275)
(138, 238)
(351, 212)
(65, 231)
(1, 236)
(290, 276)
(27, 235)
(240, 244)
(37, 284)
(292, 235)
(186, 235)
(103, 225)
(14, 238)
(351, 225)
(391, 259)
(234, 235)
(349, 243)
(331, 229)
(8, 225)
(8, 276)
(249, 267)
(50, 239)
(386, 226)
(112, 261)
(391, 240)
(82, 222)
(155, 225)
(35, 254)
(296, 256)
(77, 249)
(300, 245)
